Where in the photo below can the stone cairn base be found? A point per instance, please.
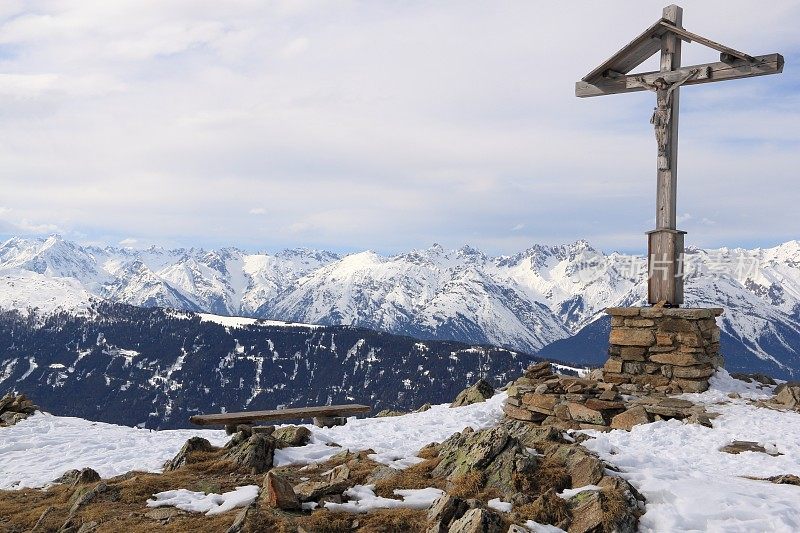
(669, 350)
(568, 402)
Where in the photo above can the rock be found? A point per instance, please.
(788, 394)
(520, 413)
(739, 446)
(632, 337)
(194, 444)
(163, 514)
(581, 413)
(443, 511)
(693, 372)
(699, 418)
(381, 472)
(761, 378)
(279, 493)
(424, 407)
(540, 403)
(585, 469)
(78, 477)
(538, 370)
(329, 421)
(604, 405)
(587, 512)
(613, 365)
(263, 430)
(632, 417)
(502, 460)
(254, 454)
(291, 436)
(679, 358)
(240, 522)
(389, 412)
(101, 491)
(479, 392)
(691, 385)
(785, 479)
(477, 521)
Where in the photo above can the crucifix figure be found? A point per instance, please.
(665, 243)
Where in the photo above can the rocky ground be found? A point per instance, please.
(14, 408)
(528, 472)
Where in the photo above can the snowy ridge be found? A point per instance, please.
(525, 301)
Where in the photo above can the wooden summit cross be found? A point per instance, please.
(665, 243)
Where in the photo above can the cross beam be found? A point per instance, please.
(665, 243)
(733, 69)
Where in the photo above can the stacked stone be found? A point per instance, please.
(15, 408)
(563, 401)
(670, 350)
(568, 402)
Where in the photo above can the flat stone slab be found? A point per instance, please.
(689, 313)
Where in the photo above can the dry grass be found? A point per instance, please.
(414, 477)
(468, 485)
(615, 507)
(124, 506)
(552, 473)
(393, 520)
(546, 509)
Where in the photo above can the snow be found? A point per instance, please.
(396, 439)
(527, 300)
(536, 527)
(569, 493)
(498, 505)
(39, 449)
(364, 500)
(690, 485)
(200, 502)
(241, 322)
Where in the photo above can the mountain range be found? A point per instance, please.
(155, 367)
(547, 299)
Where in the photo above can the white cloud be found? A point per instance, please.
(518, 227)
(369, 126)
(129, 242)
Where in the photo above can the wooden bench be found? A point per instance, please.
(324, 416)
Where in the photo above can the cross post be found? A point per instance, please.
(665, 244)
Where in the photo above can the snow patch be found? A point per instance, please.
(200, 502)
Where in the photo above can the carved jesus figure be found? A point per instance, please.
(662, 113)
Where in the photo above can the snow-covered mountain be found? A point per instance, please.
(524, 301)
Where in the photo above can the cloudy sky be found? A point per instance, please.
(381, 125)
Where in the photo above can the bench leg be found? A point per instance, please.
(329, 421)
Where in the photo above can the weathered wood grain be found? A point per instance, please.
(293, 413)
(709, 72)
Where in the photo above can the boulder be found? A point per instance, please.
(632, 417)
(788, 394)
(738, 446)
(78, 477)
(502, 460)
(101, 491)
(194, 444)
(254, 454)
(279, 493)
(479, 392)
(585, 469)
(587, 512)
(443, 511)
(291, 436)
(477, 521)
(581, 413)
(390, 412)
